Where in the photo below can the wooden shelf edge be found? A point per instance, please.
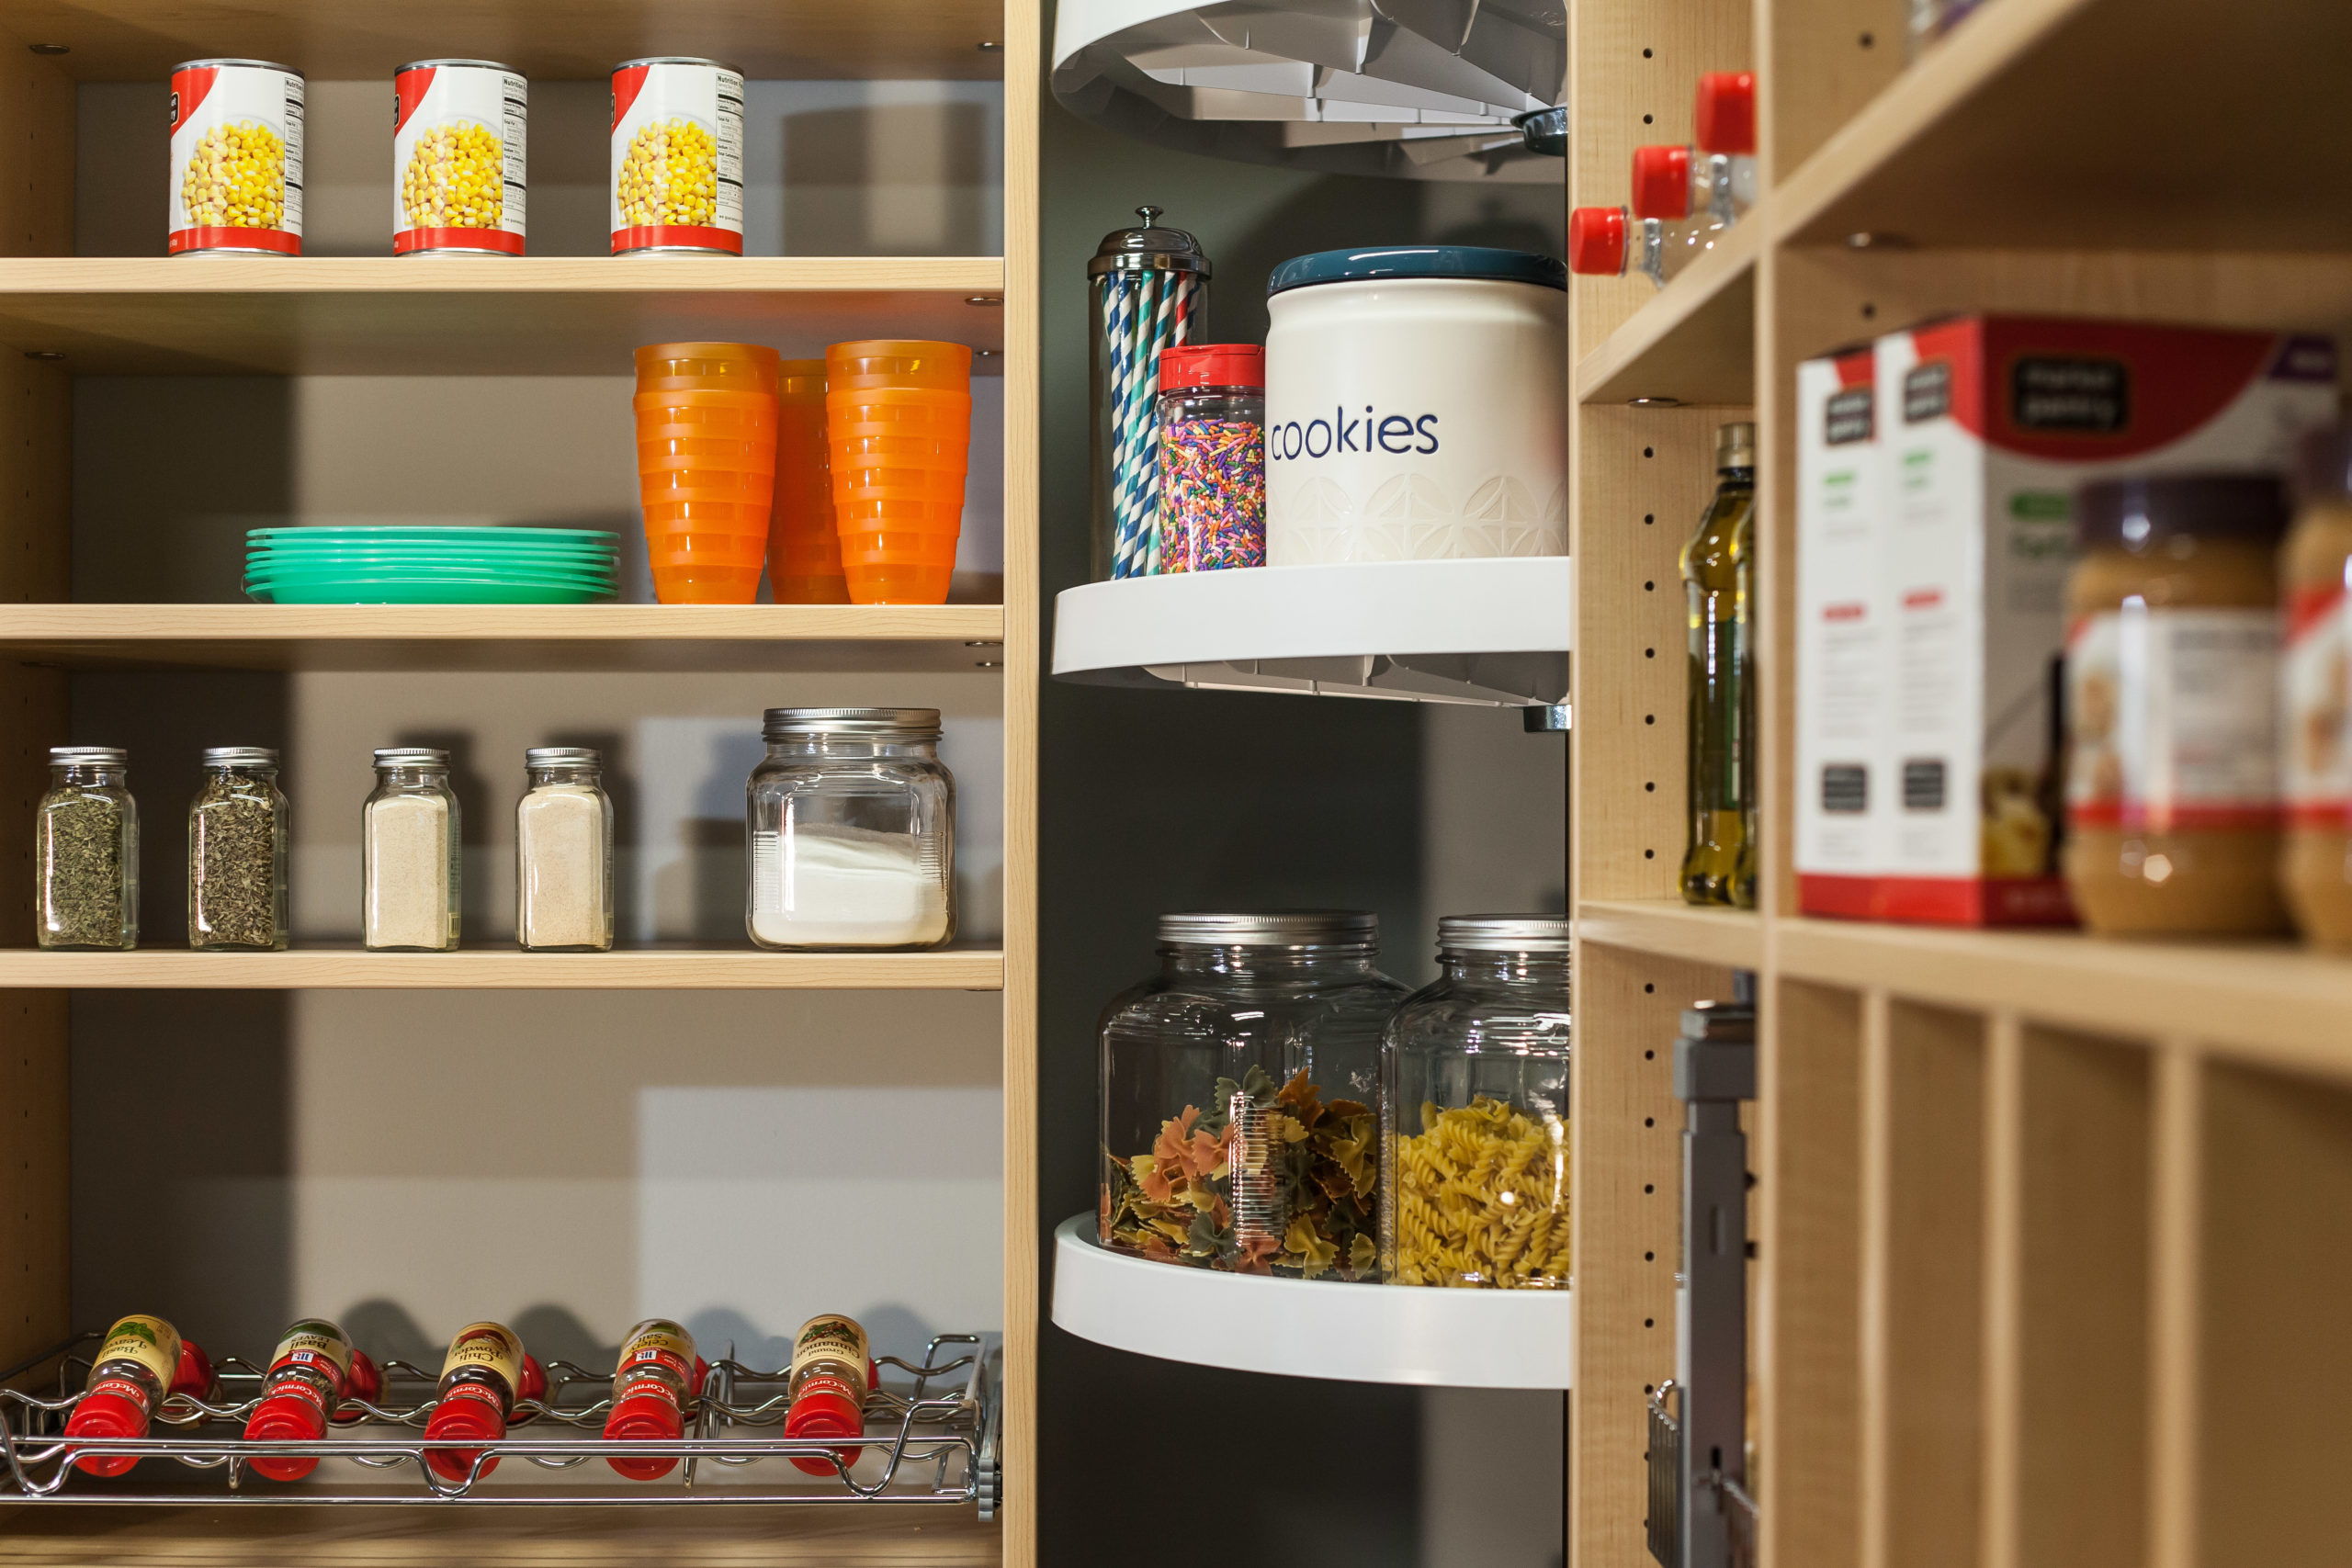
(299, 969)
(1675, 930)
(498, 274)
(1695, 340)
(133, 623)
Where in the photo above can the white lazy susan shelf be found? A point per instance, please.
(1492, 631)
(1310, 1329)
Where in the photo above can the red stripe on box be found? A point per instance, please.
(1939, 900)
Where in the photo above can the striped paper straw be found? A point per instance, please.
(1135, 490)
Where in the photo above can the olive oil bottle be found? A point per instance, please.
(1717, 567)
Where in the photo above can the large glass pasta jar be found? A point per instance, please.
(1474, 1108)
(1238, 1087)
(852, 825)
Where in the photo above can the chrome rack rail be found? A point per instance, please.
(920, 1444)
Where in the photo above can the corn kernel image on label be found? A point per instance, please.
(677, 156)
(236, 157)
(459, 132)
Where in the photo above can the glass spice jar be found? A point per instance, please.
(1237, 1130)
(1473, 1155)
(1212, 457)
(564, 853)
(852, 817)
(409, 841)
(86, 851)
(237, 836)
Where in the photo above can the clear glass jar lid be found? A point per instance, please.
(1506, 933)
(239, 757)
(563, 757)
(411, 757)
(88, 757)
(867, 724)
(1285, 928)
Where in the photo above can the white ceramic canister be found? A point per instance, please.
(1416, 405)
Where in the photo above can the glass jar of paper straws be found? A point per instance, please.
(1149, 288)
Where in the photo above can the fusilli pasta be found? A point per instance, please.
(1482, 1198)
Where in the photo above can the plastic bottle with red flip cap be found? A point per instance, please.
(478, 1384)
(658, 1375)
(1715, 177)
(1609, 242)
(831, 1372)
(307, 1378)
(134, 1371)
(194, 1376)
(363, 1381)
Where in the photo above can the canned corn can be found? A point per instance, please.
(458, 131)
(236, 158)
(677, 156)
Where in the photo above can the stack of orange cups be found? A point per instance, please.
(804, 547)
(706, 467)
(898, 417)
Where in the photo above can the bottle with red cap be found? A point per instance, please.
(480, 1380)
(1212, 457)
(365, 1381)
(651, 1388)
(1609, 242)
(1715, 177)
(135, 1368)
(308, 1377)
(195, 1377)
(832, 1371)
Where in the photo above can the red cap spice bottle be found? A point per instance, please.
(832, 1371)
(194, 1376)
(659, 1372)
(365, 1381)
(479, 1381)
(533, 1383)
(135, 1368)
(307, 1378)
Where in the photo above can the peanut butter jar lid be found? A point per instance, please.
(2130, 514)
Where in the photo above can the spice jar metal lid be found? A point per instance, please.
(411, 757)
(1148, 249)
(88, 757)
(2132, 514)
(1736, 446)
(1282, 928)
(877, 724)
(1506, 933)
(239, 757)
(563, 757)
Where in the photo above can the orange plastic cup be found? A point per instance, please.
(898, 428)
(804, 548)
(706, 421)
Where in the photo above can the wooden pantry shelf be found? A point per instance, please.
(506, 637)
(131, 40)
(2060, 123)
(505, 969)
(1693, 341)
(461, 315)
(1671, 929)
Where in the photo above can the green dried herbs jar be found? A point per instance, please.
(86, 851)
(237, 832)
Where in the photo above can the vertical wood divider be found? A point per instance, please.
(2005, 1198)
(1877, 1220)
(2177, 1179)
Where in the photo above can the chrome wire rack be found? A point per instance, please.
(930, 1436)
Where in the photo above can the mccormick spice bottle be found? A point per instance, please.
(479, 1381)
(365, 1381)
(832, 1370)
(135, 1367)
(656, 1377)
(307, 1378)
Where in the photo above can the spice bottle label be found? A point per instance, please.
(657, 1358)
(130, 1389)
(313, 1344)
(836, 1339)
(2171, 719)
(149, 1341)
(2315, 686)
(490, 1346)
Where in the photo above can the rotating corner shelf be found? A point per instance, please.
(1306, 1329)
(1490, 632)
(1419, 92)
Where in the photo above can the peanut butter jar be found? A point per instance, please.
(2171, 706)
(2316, 693)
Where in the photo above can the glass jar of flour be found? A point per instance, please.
(852, 825)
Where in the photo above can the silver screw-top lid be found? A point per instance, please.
(563, 757)
(1506, 933)
(411, 757)
(867, 724)
(1736, 446)
(1281, 928)
(1148, 249)
(88, 757)
(239, 757)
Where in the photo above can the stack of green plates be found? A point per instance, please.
(429, 566)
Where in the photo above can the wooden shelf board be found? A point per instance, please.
(505, 969)
(480, 315)
(1694, 341)
(1672, 929)
(2271, 1003)
(134, 40)
(504, 636)
(2042, 123)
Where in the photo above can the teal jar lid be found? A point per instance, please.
(1373, 262)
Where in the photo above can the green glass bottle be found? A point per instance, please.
(1717, 566)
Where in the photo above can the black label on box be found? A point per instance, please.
(1923, 783)
(1844, 787)
(2087, 396)
(1848, 416)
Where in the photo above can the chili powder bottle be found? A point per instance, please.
(135, 1368)
(307, 1378)
(655, 1379)
(478, 1380)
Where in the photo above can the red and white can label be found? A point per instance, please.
(458, 142)
(677, 156)
(236, 157)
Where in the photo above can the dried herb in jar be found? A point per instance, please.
(236, 851)
(81, 855)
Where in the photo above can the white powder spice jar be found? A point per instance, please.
(564, 853)
(409, 849)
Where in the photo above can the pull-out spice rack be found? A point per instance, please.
(930, 1436)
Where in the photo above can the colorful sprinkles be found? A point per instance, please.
(1211, 495)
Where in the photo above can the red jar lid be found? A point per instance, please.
(644, 1418)
(1213, 364)
(1597, 241)
(822, 1414)
(1661, 182)
(1726, 111)
(285, 1418)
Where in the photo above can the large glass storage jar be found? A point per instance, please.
(564, 853)
(85, 851)
(853, 824)
(237, 832)
(410, 841)
(1474, 1091)
(1237, 1088)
